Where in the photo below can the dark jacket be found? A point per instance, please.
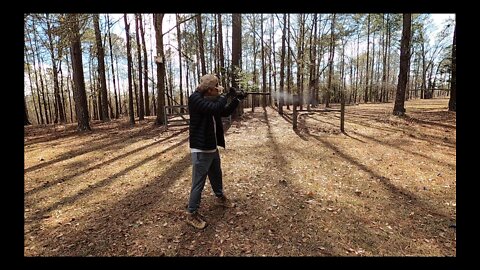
(202, 135)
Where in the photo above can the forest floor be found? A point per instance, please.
(385, 187)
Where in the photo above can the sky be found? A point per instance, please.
(439, 18)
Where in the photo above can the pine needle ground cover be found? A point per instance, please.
(385, 187)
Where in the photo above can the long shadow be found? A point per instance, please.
(388, 144)
(287, 117)
(119, 219)
(429, 138)
(324, 243)
(398, 191)
(300, 116)
(100, 165)
(302, 123)
(321, 121)
(283, 186)
(376, 118)
(276, 149)
(52, 136)
(350, 136)
(260, 232)
(73, 141)
(349, 118)
(87, 191)
(84, 150)
(429, 123)
(288, 199)
(452, 166)
(70, 131)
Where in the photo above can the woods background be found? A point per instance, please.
(105, 66)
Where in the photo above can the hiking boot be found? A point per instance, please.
(195, 220)
(224, 202)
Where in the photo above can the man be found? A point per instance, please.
(206, 107)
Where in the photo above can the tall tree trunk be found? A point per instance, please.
(222, 56)
(289, 62)
(312, 66)
(119, 88)
(135, 84)
(214, 44)
(141, 113)
(198, 68)
(264, 68)
(272, 37)
(352, 93)
(113, 70)
(179, 38)
(70, 85)
(36, 80)
(384, 70)
(342, 71)
(43, 87)
(154, 101)
(31, 82)
(56, 89)
(145, 66)
(452, 103)
(301, 56)
(47, 92)
(330, 60)
(357, 70)
(282, 66)
(236, 56)
(399, 108)
(372, 67)
(200, 43)
(110, 107)
(26, 122)
(212, 55)
(424, 73)
(101, 69)
(414, 88)
(368, 54)
(299, 60)
(273, 52)
(270, 74)
(92, 96)
(387, 97)
(169, 81)
(160, 60)
(62, 96)
(319, 60)
(129, 65)
(254, 43)
(79, 94)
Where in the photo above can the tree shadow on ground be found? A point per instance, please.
(107, 142)
(106, 231)
(103, 163)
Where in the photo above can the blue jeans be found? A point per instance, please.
(204, 164)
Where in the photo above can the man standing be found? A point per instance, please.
(206, 107)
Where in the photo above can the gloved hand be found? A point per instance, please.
(237, 93)
(232, 92)
(241, 95)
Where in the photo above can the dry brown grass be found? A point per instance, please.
(387, 187)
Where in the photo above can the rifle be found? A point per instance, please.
(242, 94)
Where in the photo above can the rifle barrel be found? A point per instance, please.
(256, 93)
